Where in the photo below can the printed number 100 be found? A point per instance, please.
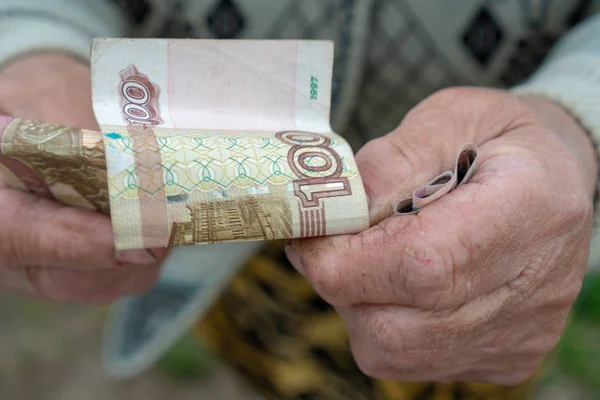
(314, 87)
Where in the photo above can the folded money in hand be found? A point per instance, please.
(201, 141)
(212, 188)
(464, 168)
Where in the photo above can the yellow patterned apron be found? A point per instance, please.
(291, 345)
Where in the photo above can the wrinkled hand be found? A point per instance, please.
(48, 250)
(476, 286)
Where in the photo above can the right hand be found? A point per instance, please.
(48, 250)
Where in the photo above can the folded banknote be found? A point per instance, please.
(58, 162)
(464, 168)
(205, 141)
(201, 141)
(213, 141)
(215, 188)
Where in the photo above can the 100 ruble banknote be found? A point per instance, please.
(211, 141)
(203, 141)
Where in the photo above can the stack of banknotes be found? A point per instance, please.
(211, 148)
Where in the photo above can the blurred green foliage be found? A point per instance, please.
(587, 306)
(187, 359)
(578, 352)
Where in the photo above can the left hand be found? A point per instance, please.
(476, 286)
(47, 250)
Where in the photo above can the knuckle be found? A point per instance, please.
(578, 213)
(378, 328)
(368, 358)
(71, 285)
(568, 293)
(564, 290)
(326, 275)
(431, 280)
(513, 369)
(565, 211)
(403, 348)
(60, 247)
(534, 349)
(66, 238)
(47, 283)
(14, 233)
(571, 205)
(10, 253)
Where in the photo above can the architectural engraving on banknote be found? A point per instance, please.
(233, 220)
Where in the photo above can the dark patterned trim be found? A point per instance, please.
(426, 393)
(431, 44)
(579, 14)
(342, 40)
(532, 21)
(341, 58)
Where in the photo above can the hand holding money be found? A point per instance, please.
(47, 249)
(172, 176)
(186, 158)
(476, 285)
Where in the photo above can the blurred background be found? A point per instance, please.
(52, 352)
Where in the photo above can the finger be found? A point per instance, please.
(449, 253)
(39, 232)
(405, 343)
(97, 286)
(400, 343)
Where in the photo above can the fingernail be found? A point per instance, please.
(138, 257)
(294, 259)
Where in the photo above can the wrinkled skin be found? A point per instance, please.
(47, 250)
(477, 286)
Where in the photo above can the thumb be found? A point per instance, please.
(428, 140)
